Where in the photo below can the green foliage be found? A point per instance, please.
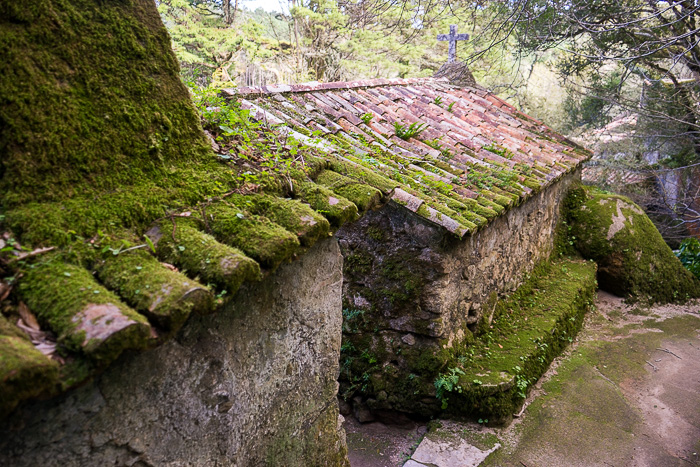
(689, 254)
(499, 150)
(406, 132)
(447, 382)
(592, 108)
(209, 49)
(366, 117)
(434, 143)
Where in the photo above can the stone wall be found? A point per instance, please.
(253, 384)
(413, 291)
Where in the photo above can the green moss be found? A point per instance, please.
(529, 329)
(293, 215)
(358, 263)
(404, 280)
(86, 317)
(363, 175)
(257, 236)
(441, 207)
(363, 195)
(70, 127)
(465, 209)
(633, 260)
(166, 297)
(485, 202)
(200, 255)
(375, 233)
(499, 201)
(335, 208)
(24, 371)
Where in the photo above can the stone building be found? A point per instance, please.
(418, 207)
(468, 205)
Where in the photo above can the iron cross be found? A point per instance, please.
(453, 37)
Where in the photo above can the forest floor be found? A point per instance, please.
(626, 393)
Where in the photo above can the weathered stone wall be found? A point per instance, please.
(412, 291)
(253, 384)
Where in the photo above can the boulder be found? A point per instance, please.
(633, 259)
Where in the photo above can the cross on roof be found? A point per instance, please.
(453, 37)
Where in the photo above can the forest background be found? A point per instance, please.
(620, 77)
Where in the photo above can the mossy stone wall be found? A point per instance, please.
(252, 384)
(414, 294)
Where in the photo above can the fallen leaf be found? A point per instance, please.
(28, 317)
(500, 346)
(5, 290)
(34, 334)
(170, 266)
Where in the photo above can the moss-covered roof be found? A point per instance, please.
(455, 156)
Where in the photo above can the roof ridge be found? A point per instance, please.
(316, 86)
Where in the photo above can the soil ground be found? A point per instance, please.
(626, 393)
(378, 445)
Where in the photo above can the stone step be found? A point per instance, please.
(490, 379)
(449, 444)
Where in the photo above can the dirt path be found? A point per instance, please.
(626, 393)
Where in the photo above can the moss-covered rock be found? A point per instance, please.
(529, 329)
(87, 317)
(633, 259)
(24, 371)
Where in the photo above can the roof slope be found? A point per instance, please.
(473, 157)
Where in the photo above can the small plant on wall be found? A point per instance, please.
(406, 132)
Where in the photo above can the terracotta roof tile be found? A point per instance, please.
(473, 146)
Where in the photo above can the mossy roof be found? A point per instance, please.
(475, 155)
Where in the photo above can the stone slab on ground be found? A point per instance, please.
(451, 444)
